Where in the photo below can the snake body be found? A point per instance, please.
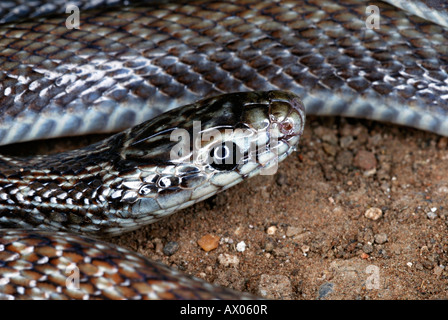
(127, 64)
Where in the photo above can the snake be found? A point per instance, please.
(253, 66)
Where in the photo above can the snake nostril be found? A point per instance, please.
(286, 127)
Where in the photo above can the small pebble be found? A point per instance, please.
(373, 213)
(241, 246)
(226, 240)
(443, 142)
(265, 194)
(325, 290)
(158, 244)
(269, 245)
(438, 270)
(428, 264)
(380, 238)
(292, 231)
(330, 137)
(365, 160)
(329, 149)
(344, 159)
(228, 260)
(305, 249)
(238, 231)
(271, 230)
(367, 248)
(346, 141)
(382, 252)
(208, 242)
(170, 248)
(376, 139)
(281, 179)
(432, 213)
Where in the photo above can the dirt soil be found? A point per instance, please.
(360, 211)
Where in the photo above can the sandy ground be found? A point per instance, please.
(360, 211)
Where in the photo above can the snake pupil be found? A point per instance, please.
(225, 157)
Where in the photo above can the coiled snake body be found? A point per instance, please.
(105, 76)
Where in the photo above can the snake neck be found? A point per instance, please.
(67, 190)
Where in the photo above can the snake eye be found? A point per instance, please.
(225, 156)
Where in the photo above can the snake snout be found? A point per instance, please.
(287, 113)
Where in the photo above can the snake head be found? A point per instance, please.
(269, 127)
(191, 153)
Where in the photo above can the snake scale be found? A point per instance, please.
(128, 63)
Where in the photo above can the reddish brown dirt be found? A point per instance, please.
(305, 228)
